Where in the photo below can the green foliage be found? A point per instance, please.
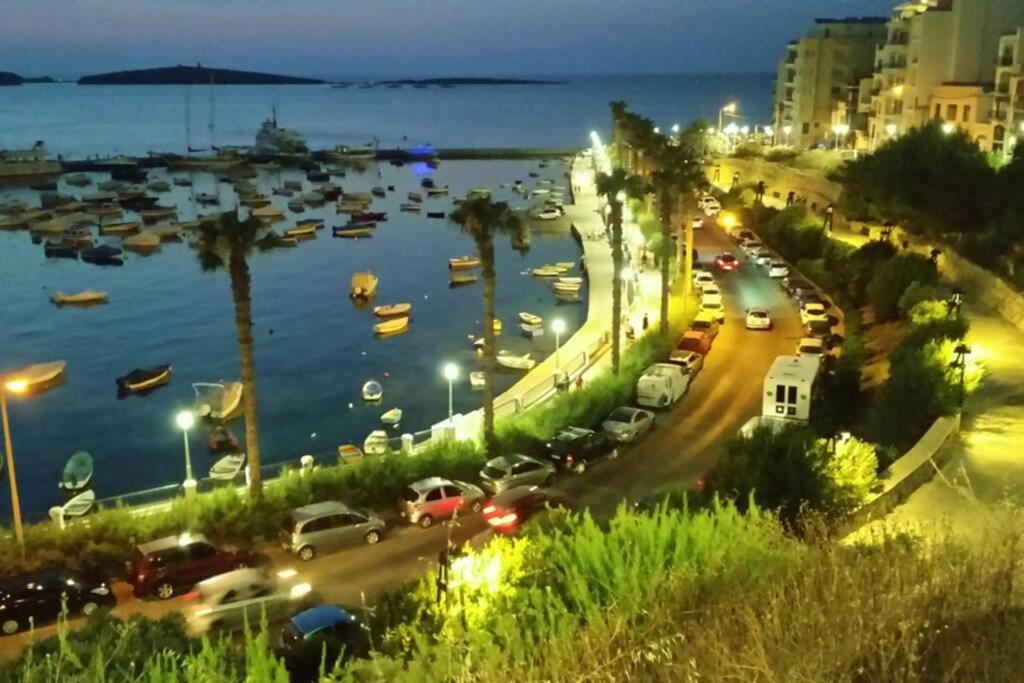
(921, 302)
(794, 233)
(893, 277)
(748, 150)
(842, 403)
(782, 155)
(862, 264)
(852, 468)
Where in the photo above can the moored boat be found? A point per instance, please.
(391, 417)
(86, 297)
(373, 391)
(463, 262)
(410, 207)
(41, 374)
(158, 213)
(392, 310)
(352, 233)
(217, 400)
(77, 472)
(267, 212)
(144, 379)
(125, 228)
(435, 214)
(301, 231)
(378, 191)
(458, 279)
(79, 505)
(476, 379)
(530, 318)
(437, 191)
(102, 255)
(545, 272)
(145, 241)
(376, 443)
(415, 197)
(228, 467)
(392, 326)
(61, 248)
(363, 286)
(296, 205)
(515, 362)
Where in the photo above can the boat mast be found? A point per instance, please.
(188, 123)
(212, 146)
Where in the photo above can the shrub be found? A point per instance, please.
(782, 155)
(863, 263)
(893, 277)
(852, 467)
(919, 293)
(748, 150)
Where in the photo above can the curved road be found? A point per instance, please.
(685, 442)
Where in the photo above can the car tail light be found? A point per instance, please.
(190, 596)
(504, 520)
(489, 509)
(569, 459)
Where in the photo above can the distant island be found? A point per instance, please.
(9, 78)
(39, 79)
(193, 75)
(469, 81)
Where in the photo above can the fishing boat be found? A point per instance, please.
(102, 255)
(300, 231)
(480, 192)
(228, 467)
(41, 374)
(463, 262)
(364, 285)
(378, 191)
(349, 453)
(61, 248)
(435, 214)
(437, 191)
(77, 472)
(530, 318)
(391, 417)
(125, 228)
(315, 222)
(79, 505)
(268, 212)
(415, 197)
(515, 362)
(392, 310)
(391, 326)
(216, 400)
(86, 297)
(458, 279)
(144, 379)
(351, 233)
(145, 241)
(376, 443)
(376, 216)
(158, 186)
(476, 379)
(410, 207)
(546, 272)
(78, 180)
(373, 391)
(158, 213)
(566, 287)
(296, 206)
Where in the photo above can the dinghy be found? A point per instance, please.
(378, 191)
(376, 443)
(476, 379)
(530, 318)
(531, 331)
(565, 265)
(315, 222)
(77, 472)
(437, 191)
(228, 467)
(566, 287)
(62, 248)
(79, 505)
(364, 285)
(545, 272)
(102, 255)
(255, 201)
(373, 391)
(268, 212)
(143, 379)
(410, 208)
(392, 310)
(352, 233)
(571, 280)
(392, 326)
(216, 400)
(457, 279)
(435, 214)
(514, 362)
(391, 417)
(41, 374)
(463, 262)
(301, 231)
(296, 206)
(158, 213)
(415, 197)
(349, 454)
(84, 298)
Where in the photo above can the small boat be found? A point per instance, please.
(546, 272)
(376, 443)
(228, 467)
(159, 186)
(435, 214)
(415, 197)
(476, 379)
(410, 207)
(349, 453)
(295, 185)
(567, 298)
(393, 309)
(104, 196)
(514, 362)
(296, 206)
(479, 343)
(167, 232)
(254, 201)
(351, 208)
(55, 226)
(378, 192)
(80, 236)
(480, 192)
(565, 265)
(540, 191)
(79, 505)
(373, 391)
(317, 176)
(77, 472)
(437, 191)
(145, 241)
(102, 255)
(158, 213)
(221, 441)
(357, 197)
(207, 198)
(306, 230)
(351, 233)
(216, 400)
(375, 216)
(391, 326)
(110, 185)
(282, 192)
(532, 174)
(530, 318)
(182, 182)
(125, 228)
(315, 222)
(267, 212)
(571, 280)
(41, 374)
(458, 279)
(463, 262)
(364, 285)
(391, 417)
(566, 287)
(86, 297)
(427, 183)
(313, 198)
(274, 241)
(62, 248)
(531, 331)
(143, 379)
(78, 180)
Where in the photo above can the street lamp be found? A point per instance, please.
(186, 420)
(451, 373)
(960, 354)
(890, 129)
(558, 327)
(948, 127)
(727, 110)
(840, 129)
(13, 386)
(786, 130)
(675, 128)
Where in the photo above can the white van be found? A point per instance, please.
(661, 385)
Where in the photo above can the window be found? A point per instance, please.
(201, 551)
(230, 596)
(938, 111)
(806, 128)
(433, 495)
(780, 393)
(967, 113)
(951, 112)
(791, 398)
(452, 492)
(524, 467)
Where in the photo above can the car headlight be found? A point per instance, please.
(101, 590)
(300, 590)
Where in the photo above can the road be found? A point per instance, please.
(684, 444)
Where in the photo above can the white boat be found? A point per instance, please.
(437, 191)
(391, 417)
(217, 399)
(571, 280)
(530, 318)
(228, 467)
(546, 272)
(41, 374)
(565, 265)
(462, 262)
(83, 298)
(373, 391)
(566, 287)
(376, 443)
(410, 207)
(476, 379)
(514, 362)
(271, 139)
(80, 504)
(540, 192)
(532, 330)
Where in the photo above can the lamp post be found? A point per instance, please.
(840, 129)
(558, 327)
(186, 420)
(955, 301)
(727, 110)
(948, 127)
(960, 354)
(14, 386)
(451, 373)
(786, 130)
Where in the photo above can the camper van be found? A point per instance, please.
(661, 385)
(789, 387)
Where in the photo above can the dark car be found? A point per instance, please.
(574, 448)
(165, 566)
(819, 329)
(39, 597)
(726, 261)
(510, 509)
(325, 632)
(793, 283)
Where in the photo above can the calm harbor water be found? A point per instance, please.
(314, 349)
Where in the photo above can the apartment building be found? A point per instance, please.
(1008, 98)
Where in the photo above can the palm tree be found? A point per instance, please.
(226, 245)
(619, 112)
(483, 219)
(616, 187)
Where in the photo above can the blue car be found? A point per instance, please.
(325, 632)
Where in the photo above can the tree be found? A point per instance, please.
(892, 278)
(852, 466)
(615, 188)
(482, 219)
(226, 244)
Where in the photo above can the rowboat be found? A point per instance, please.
(373, 391)
(357, 197)
(80, 504)
(437, 191)
(143, 379)
(41, 374)
(540, 191)
(393, 309)
(378, 191)
(531, 331)
(296, 205)
(145, 241)
(566, 287)
(391, 417)
(313, 198)
(105, 196)
(84, 298)
(415, 197)
(571, 280)
(110, 209)
(125, 228)
(352, 233)
(228, 467)
(530, 318)
(376, 443)
(77, 472)
(216, 400)
(254, 201)
(463, 262)
(54, 226)
(62, 248)
(364, 285)
(435, 214)
(267, 212)
(301, 231)
(167, 232)
(514, 362)
(102, 255)
(282, 192)
(462, 279)
(546, 272)
(370, 216)
(410, 207)
(476, 379)
(349, 453)
(351, 207)
(316, 222)
(80, 236)
(158, 213)
(480, 191)
(391, 326)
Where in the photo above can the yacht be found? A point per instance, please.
(271, 139)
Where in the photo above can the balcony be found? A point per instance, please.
(1005, 60)
(898, 39)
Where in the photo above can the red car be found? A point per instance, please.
(508, 510)
(165, 566)
(726, 261)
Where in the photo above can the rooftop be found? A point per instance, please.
(853, 20)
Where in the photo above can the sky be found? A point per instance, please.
(392, 38)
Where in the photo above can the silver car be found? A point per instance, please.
(427, 500)
(326, 526)
(627, 424)
(508, 471)
(228, 601)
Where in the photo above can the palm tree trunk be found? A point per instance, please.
(486, 249)
(616, 218)
(666, 240)
(241, 293)
(688, 253)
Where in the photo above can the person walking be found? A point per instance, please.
(735, 180)
(827, 225)
(759, 192)
(645, 322)
(790, 199)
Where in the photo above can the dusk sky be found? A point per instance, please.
(342, 38)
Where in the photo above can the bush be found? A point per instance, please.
(748, 150)
(893, 277)
(921, 303)
(782, 155)
(862, 265)
(852, 467)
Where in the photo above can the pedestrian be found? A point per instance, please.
(790, 199)
(579, 382)
(629, 331)
(759, 192)
(827, 225)
(906, 245)
(735, 180)
(646, 322)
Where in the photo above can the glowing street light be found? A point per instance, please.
(890, 129)
(15, 385)
(186, 420)
(727, 110)
(558, 327)
(897, 90)
(840, 129)
(728, 220)
(451, 373)
(675, 128)
(731, 129)
(948, 127)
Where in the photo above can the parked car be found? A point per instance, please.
(742, 234)
(165, 566)
(627, 424)
(710, 290)
(321, 527)
(508, 471)
(698, 223)
(661, 385)
(37, 598)
(428, 500)
(713, 306)
(509, 510)
(690, 361)
(709, 205)
(749, 246)
(812, 346)
(821, 329)
(792, 283)
(778, 269)
(759, 319)
(809, 296)
(574, 448)
(322, 633)
(812, 311)
(707, 324)
(696, 341)
(763, 257)
(549, 215)
(227, 601)
(702, 277)
(726, 261)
